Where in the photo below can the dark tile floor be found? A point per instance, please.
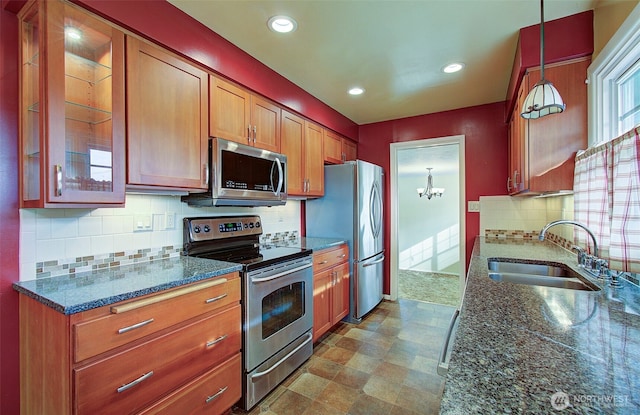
(384, 365)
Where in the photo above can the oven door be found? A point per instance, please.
(278, 308)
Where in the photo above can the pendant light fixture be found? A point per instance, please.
(544, 98)
(430, 191)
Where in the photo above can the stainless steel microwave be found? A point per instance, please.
(240, 175)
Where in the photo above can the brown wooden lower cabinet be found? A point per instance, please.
(175, 360)
(212, 393)
(330, 288)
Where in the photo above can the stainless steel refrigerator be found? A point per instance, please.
(351, 209)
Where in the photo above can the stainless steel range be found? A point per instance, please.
(277, 297)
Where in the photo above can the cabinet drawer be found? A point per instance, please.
(212, 393)
(329, 257)
(133, 320)
(128, 381)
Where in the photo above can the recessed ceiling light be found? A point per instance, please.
(73, 33)
(282, 24)
(453, 67)
(356, 91)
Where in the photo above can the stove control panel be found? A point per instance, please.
(205, 229)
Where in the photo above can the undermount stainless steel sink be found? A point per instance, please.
(538, 273)
(549, 269)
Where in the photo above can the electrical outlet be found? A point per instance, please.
(170, 220)
(473, 206)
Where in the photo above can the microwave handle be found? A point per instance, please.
(280, 177)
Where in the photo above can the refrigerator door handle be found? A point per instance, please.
(377, 261)
(375, 206)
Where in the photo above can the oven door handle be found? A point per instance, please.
(279, 362)
(273, 277)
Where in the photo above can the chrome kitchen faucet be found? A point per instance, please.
(591, 263)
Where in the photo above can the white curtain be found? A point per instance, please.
(607, 199)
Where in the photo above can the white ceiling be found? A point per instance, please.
(393, 49)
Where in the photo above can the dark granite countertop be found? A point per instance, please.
(517, 346)
(73, 293)
(315, 244)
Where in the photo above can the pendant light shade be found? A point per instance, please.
(544, 98)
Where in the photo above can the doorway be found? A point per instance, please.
(427, 234)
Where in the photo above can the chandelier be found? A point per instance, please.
(430, 191)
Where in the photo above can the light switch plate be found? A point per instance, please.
(473, 206)
(142, 223)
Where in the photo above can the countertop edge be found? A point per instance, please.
(89, 305)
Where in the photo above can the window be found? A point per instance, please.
(614, 84)
(100, 165)
(628, 87)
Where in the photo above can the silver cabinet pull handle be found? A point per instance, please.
(323, 262)
(255, 133)
(213, 299)
(57, 171)
(218, 340)
(135, 326)
(342, 256)
(205, 167)
(213, 397)
(135, 382)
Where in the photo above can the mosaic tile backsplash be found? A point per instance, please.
(110, 260)
(526, 235)
(122, 258)
(59, 241)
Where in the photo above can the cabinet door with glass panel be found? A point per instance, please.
(72, 104)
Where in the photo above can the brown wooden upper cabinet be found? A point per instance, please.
(237, 115)
(542, 151)
(338, 149)
(349, 150)
(72, 124)
(301, 142)
(167, 119)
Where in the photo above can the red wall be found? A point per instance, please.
(9, 214)
(485, 155)
(164, 23)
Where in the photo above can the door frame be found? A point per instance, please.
(429, 142)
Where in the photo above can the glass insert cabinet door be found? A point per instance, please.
(72, 126)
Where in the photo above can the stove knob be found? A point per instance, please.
(250, 225)
(207, 228)
(257, 224)
(196, 229)
(246, 225)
